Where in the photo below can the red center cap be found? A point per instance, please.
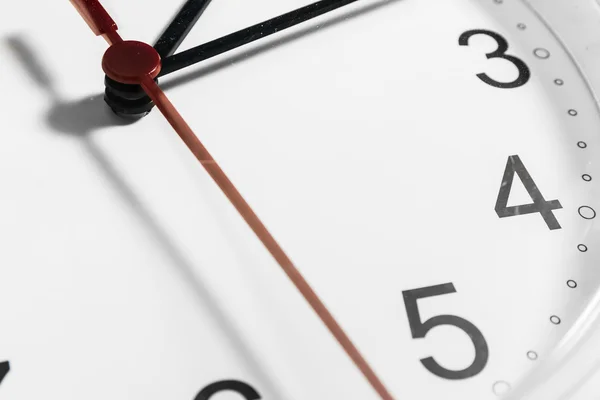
(130, 61)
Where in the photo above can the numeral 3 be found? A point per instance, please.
(500, 52)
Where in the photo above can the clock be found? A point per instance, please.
(399, 201)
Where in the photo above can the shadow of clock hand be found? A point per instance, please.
(80, 119)
(92, 114)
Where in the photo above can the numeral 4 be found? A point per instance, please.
(539, 205)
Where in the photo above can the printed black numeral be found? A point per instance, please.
(500, 52)
(539, 205)
(4, 368)
(241, 388)
(419, 330)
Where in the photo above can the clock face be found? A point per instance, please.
(428, 165)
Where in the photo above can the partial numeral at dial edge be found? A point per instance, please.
(245, 390)
(420, 329)
(500, 52)
(539, 205)
(4, 368)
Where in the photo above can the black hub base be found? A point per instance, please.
(127, 101)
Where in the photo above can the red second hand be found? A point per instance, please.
(138, 63)
(234, 196)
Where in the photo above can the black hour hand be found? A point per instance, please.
(226, 43)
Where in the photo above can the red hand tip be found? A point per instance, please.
(96, 16)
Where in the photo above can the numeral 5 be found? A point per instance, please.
(419, 331)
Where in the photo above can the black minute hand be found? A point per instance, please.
(248, 35)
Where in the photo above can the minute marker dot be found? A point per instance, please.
(587, 212)
(532, 355)
(501, 388)
(541, 53)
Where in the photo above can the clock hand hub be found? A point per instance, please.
(128, 61)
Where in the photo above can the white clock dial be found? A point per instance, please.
(428, 165)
